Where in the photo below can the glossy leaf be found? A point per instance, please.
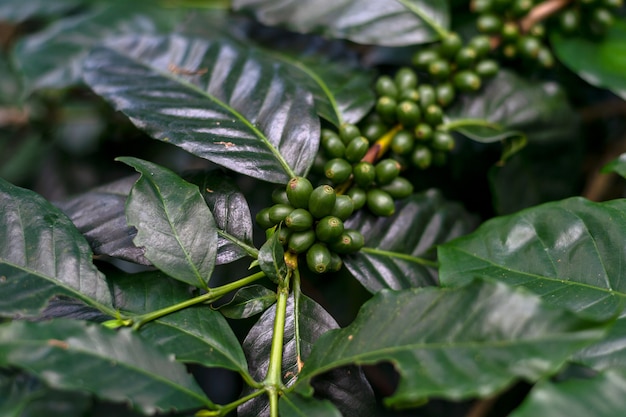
(53, 58)
(174, 224)
(99, 216)
(231, 213)
(16, 12)
(608, 353)
(601, 396)
(194, 335)
(347, 387)
(400, 249)
(388, 22)
(42, 255)
(569, 252)
(272, 259)
(294, 405)
(216, 100)
(455, 343)
(600, 63)
(22, 395)
(617, 166)
(248, 302)
(66, 354)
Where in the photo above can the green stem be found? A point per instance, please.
(227, 408)
(211, 295)
(296, 322)
(250, 250)
(274, 381)
(403, 256)
(427, 19)
(456, 124)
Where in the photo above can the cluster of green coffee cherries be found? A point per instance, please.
(309, 221)
(593, 17)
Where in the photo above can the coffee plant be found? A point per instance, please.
(312, 208)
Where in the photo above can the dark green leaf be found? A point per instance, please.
(21, 395)
(16, 12)
(608, 353)
(99, 216)
(400, 249)
(196, 334)
(601, 396)
(455, 343)
(67, 354)
(347, 387)
(294, 405)
(272, 259)
(53, 58)
(570, 252)
(600, 63)
(248, 302)
(231, 212)
(617, 165)
(214, 99)
(389, 22)
(175, 226)
(41, 249)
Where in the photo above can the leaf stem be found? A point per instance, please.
(297, 292)
(211, 295)
(427, 19)
(459, 123)
(227, 408)
(273, 381)
(403, 256)
(250, 250)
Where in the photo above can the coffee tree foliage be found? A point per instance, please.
(320, 208)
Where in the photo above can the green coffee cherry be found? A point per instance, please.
(545, 58)
(427, 95)
(322, 201)
(318, 258)
(283, 234)
(299, 191)
(278, 212)
(263, 219)
(402, 142)
(386, 108)
(335, 262)
(299, 219)
(466, 57)
(423, 131)
(301, 241)
(333, 147)
(385, 86)
(386, 171)
(442, 141)
(613, 4)
(489, 23)
(450, 45)
(422, 157)
(357, 148)
(357, 239)
(411, 94)
(601, 19)
(380, 202)
(358, 196)
(537, 30)
(349, 242)
(374, 130)
(510, 32)
(344, 207)
(569, 20)
(520, 8)
(318, 163)
(433, 115)
(487, 68)
(408, 113)
(405, 79)
(338, 170)
(279, 196)
(439, 69)
(400, 187)
(364, 174)
(481, 6)
(327, 133)
(467, 81)
(509, 51)
(481, 44)
(445, 94)
(348, 131)
(329, 228)
(423, 58)
(529, 46)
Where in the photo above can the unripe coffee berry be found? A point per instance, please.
(408, 113)
(318, 258)
(299, 219)
(357, 148)
(364, 174)
(322, 201)
(380, 202)
(344, 207)
(400, 187)
(338, 170)
(358, 196)
(402, 142)
(348, 131)
(386, 171)
(329, 228)
(299, 242)
(278, 212)
(405, 79)
(299, 191)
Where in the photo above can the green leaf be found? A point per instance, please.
(455, 343)
(174, 224)
(272, 259)
(231, 213)
(99, 216)
(41, 249)
(389, 22)
(67, 354)
(216, 100)
(53, 57)
(600, 63)
(248, 301)
(21, 395)
(617, 166)
(197, 334)
(17, 12)
(570, 252)
(346, 387)
(601, 396)
(294, 405)
(608, 353)
(400, 250)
